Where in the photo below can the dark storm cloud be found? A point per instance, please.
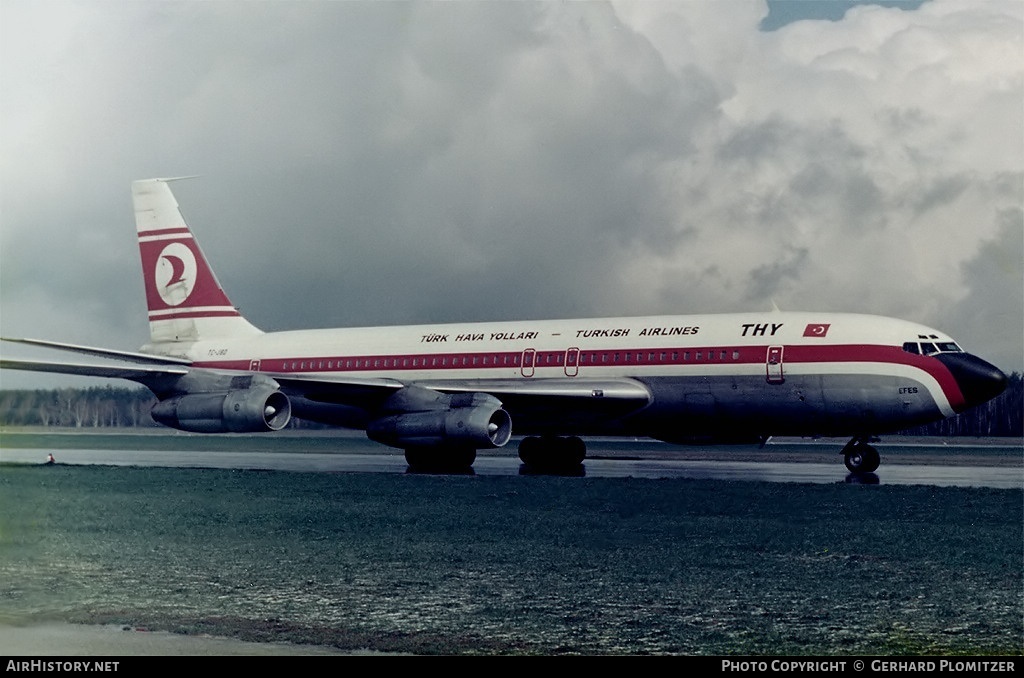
(765, 281)
(992, 306)
(484, 178)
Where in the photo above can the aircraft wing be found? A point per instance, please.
(530, 402)
(83, 369)
(325, 389)
(571, 397)
(622, 390)
(338, 390)
(129, 356)
(609, 396)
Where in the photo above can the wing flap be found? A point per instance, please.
(594, 396)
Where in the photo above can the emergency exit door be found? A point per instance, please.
(526, 365)
(572, 362)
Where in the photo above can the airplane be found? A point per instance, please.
(441, 392)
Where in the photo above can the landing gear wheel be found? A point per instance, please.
(531, 451)
(551, 454)
(862, 458)
(440, 460)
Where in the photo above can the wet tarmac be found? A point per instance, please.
(902, 464)
(786, 462)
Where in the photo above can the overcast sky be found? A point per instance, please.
(403, 162)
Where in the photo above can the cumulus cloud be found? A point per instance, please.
(858, 164)
(387, 163)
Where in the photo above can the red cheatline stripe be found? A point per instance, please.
(194, 314)
(593, 359)
(855, 353)
(181, 230)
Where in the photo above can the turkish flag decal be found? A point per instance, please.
(816, 330)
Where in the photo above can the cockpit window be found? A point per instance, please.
(930, 348)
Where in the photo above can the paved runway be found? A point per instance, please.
(914, 463)
(905, 464)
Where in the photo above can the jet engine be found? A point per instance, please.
(416, 417)
(252, 410)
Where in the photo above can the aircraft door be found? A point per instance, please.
(774, 365)
(254, 365)
(572, 362)
(527, 364)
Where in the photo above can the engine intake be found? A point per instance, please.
(254, 410)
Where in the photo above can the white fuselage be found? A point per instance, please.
(773, 372)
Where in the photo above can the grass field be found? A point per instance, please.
(516, 565)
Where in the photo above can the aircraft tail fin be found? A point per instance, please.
(185, 301)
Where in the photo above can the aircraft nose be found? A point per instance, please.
(978, 380)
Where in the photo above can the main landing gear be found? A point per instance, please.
(552, 454)
(860, 457)
(440, 459)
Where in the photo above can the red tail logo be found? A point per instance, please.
(175, 273)
(184, 299)
(179, 283)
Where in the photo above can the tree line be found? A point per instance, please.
(94, 407)
(110, 407)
